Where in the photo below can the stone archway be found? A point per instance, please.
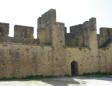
(74, 68)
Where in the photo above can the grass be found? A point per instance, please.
(40, 77)
(97, 74)
(80, 48)
(31, 77)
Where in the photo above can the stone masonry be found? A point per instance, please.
(55, 52)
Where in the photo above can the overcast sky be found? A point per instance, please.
(70, 12)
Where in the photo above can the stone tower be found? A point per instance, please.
(91, 31)
(51, 33)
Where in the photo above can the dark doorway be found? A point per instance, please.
(74, 68)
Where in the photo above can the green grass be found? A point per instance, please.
(97, 74)
(31, 77)
(80, 49)
(40, 77)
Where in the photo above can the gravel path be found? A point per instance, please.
(73, 81)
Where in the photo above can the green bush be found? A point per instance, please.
(66, 75)
(97, 74)
(80, 48)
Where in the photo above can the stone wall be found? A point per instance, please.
(76, 36)
(58, 46)
(45, 23)
(4, 31)
(47, 18)
(105, 37)
(80, 34)
(44, 35)
(86, 59)
(105, 58)
(18, 60)
(23, 34)
(54, 50)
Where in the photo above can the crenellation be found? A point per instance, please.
(47, 18)
(91, 24)
(55, 52)
(4, 31)
(105, 36)
(23, 34)
(74, 36)
(45, 23)
(80, 34)
(76, 28)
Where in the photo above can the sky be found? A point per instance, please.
(70, 12)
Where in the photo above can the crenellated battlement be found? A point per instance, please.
(47, 18)
(79, 36)
(4, 31)
(22, 34)
(105, 37)
(79, 52)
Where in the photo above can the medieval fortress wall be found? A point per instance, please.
(54, 51)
